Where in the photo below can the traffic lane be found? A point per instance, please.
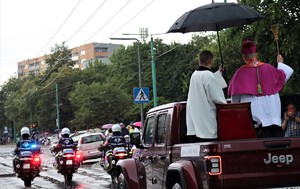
(9, 180)
(14, 183)
(90, 175)
(49, 178)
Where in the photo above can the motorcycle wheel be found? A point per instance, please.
(68, 179)
(27, 182)
(122, 182)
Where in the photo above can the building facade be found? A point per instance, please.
(82, 55)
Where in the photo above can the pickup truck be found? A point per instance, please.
(166, 158)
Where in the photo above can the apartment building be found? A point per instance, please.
(83, 55)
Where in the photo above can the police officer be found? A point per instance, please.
(117, 139)
(25, 144)
(64, 142)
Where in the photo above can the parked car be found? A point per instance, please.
(78, 133)
(88, 144)
(53, 143)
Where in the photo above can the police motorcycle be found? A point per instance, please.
(112, 156)
(67, 161)
(113, 151)
(27, 160)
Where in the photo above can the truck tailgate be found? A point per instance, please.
(261, 163)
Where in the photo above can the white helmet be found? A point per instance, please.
(65, 132)
(25, 131)
(127, 138)
(116, 128)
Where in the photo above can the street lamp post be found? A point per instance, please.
(139, 65)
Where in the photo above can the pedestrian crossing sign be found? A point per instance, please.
(141, 95)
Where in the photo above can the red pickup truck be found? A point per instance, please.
(166, 158)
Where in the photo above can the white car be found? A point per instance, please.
(53, 144)
(88, 144)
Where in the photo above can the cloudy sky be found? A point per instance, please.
(29, 28)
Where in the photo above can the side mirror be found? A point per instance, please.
(135, 139)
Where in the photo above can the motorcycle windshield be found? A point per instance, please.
(26, 154)
(68, 151)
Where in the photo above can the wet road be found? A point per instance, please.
(90, 175)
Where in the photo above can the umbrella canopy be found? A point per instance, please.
(215, 17)
(107, 126)
(137, 124)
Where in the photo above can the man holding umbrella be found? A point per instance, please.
(260, 83)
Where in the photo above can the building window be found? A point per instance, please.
(82, 53)
(101, 49)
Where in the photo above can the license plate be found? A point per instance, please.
(26, 166)
(69, 162)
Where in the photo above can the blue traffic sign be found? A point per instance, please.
(141, 95)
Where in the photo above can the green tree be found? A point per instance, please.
(98, 104)
(60, 57)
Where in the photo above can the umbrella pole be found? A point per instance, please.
(222, 63)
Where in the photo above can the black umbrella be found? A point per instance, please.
(215, 17)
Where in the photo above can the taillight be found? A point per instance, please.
(121, 155)
(36, 159)
(78, 155)
(214, 165)
(68, 155)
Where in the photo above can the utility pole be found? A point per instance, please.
(144, 34)
(139, 68)
(153, 74)
(57, 106)
(14, 126)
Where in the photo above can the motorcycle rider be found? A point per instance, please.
(25, 144)
(64, 142)
(115, 140)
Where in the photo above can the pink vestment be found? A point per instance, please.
(245, 80)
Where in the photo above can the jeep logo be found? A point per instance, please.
(287, 159)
